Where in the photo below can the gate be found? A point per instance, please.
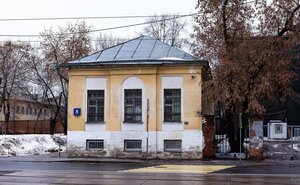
(222, 141)
(295, 142)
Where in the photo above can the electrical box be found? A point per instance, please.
(277, 129)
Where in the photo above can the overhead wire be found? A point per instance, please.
(171, 17)
(105, 29)
(79, 18)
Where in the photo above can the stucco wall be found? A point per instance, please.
(113, 130)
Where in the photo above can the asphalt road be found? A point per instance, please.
(90, 166)
(20, 172)
(96, 166)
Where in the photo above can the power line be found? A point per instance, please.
(106, 29)
(91, 17)
(101, 17)
(79, 18)
(92, 40)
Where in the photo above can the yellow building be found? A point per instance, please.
(136, 99)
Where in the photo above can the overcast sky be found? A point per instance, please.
(86, 8)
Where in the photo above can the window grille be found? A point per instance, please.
(172, 105)
(92, 144)
(133, 105)
(95, 106)
(133, 145)
(172, 145)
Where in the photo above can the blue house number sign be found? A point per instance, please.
(77, 112)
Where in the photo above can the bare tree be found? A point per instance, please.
(50, 81)
(166, 28)
(250, 44)
(13, 69)
(104, 41)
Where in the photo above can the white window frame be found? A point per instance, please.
(171, 82)
(94, 83)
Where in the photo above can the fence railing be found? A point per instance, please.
(279, 139)
(285, 136)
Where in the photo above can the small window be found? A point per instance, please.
(133, 145)
(22, 110)
(30, 111)
(172, 105)
(18, 110)
(95, 106)
(133, 105)
(172, 145)
(92, 144)
(278, 129)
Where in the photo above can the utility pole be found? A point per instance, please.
(241, 125)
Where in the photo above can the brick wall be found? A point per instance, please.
(30, 127)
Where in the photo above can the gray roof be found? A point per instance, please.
(142, 50)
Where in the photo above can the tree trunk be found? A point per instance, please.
(65, 124)
(232, 132)
(6, 122)
(52, 125)
(6, 117)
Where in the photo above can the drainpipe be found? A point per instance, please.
(147, 127)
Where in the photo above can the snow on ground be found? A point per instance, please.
(31, 144)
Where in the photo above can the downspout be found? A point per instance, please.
(148, 107)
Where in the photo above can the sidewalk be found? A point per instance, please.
(54, 157)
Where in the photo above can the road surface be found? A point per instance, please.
(22, 172)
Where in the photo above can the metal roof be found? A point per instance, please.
(142, 50)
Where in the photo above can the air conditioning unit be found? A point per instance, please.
(277, 129)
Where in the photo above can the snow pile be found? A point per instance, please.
(20, 145)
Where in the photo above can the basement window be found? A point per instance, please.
(132, 145)
(172, 145)
(95, 144)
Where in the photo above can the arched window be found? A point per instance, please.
(133, 100)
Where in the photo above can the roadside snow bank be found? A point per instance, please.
(35, 144)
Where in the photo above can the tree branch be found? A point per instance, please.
(289, 22)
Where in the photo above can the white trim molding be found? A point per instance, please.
(133, 83)
(171, 82)
(94, 83)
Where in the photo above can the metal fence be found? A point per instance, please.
(281, 140)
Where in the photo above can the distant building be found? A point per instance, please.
(22, 109)
(138, 98)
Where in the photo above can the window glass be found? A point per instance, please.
(172, 105)
(95, 105)
(133, 105)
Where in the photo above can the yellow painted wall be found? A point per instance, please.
(76, 100)
(151, 76)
